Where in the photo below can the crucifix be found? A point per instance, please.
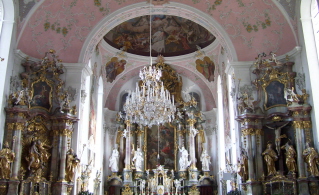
(278, 135)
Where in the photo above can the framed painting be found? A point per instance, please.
(274, 95)
(160, 140)
(41, 93)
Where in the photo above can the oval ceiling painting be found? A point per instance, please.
(170, 36)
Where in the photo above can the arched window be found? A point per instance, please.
(123, 99)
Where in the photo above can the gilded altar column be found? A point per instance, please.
(192, 134)
(179, 136)
(193, 172)
(65, 130)
(259, 159)
(127, 172)
(120, 141)
(16, 120)
(302, 126)
(252, 142)
(248, 133)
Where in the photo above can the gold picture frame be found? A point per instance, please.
(274, 94)
(160, 139)
(41, 94)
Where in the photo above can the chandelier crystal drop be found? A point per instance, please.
(150, 104)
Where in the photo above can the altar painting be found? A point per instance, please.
(160, 139)
(41, 95)
(274, 93)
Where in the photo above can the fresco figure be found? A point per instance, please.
(113, 68)
(206, 67)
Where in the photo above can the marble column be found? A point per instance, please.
(302, 125)
(16, 120)
(127, 172)
(251, 132)
(65, 127)
(192, 136)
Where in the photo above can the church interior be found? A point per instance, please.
(111, 97)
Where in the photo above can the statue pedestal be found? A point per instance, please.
(138, 175)
(313, 185)
(127, 176)
(254, 187)
(193, 177)
(13, 186)
(182, 174)
(4, 187)
(60, 187)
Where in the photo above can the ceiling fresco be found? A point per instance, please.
(170, 36)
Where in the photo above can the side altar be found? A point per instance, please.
(277, 156)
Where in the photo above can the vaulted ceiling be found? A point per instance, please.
(74, 28)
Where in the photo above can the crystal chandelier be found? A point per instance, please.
(151, 104)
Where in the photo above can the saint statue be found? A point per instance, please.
(242, 168)
(114, 160)
(6, 158)
(205, 158)
(72, 162)
(183, 161)
(290, 157)
(311, 158)
(270, 157)
(138, 159)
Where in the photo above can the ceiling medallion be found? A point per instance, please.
(158, 2)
